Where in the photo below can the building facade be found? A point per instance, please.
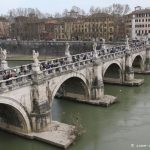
(32, 28)
(4, 28)
(138, 23)
(96, 26)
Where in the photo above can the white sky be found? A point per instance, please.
(52, 6)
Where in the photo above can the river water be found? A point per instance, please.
(122, 126)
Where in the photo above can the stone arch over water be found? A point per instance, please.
(73, 86)
(13, 115)
(112, 71)
(138, 63)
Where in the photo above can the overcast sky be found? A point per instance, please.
(52, 6)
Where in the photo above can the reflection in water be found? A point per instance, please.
(116, 127)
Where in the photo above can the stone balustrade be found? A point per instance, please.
(24, 72)
(15, 81)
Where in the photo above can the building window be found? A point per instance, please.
(145, 32)
(142, 31)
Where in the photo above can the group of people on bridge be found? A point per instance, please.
(26, 69)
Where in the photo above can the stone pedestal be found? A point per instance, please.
(95, 54)
(104, 48)
(4, 65)
(36, 68)
(69, 59)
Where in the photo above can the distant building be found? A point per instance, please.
(95, 26)
(4, 28)
(138, 23)
(48, 32)
(71, 27)
(32, 28)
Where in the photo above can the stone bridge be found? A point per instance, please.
(29, 96)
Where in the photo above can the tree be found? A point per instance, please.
(92, 10)
(57, 15)
(114, 9)
(65, 13)
(78, 10)
(126, 9)
(25, 12)
(118, 9)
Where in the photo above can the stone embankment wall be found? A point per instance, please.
(46, 48)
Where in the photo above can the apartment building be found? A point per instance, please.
(138, 23)
(4, 28)
(96, 26)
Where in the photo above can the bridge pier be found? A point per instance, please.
(129, 72)
(97, 88)
(147, 61)
(40, 115)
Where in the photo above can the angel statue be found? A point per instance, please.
(103, 40)
(35, 57)
(95, 54)
(94, 46)
(127, 40)
(3, 54)
(67, 52)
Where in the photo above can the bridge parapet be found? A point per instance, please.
(15, 82)
(78, 61)
(24, 79)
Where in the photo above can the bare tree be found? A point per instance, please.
(78, 10)
(57, 15)
(65, 13)
(126, 9)
(92, 10)
(25, 12)
(118, 9)
(115, 9)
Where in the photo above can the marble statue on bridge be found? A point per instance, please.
(3, 54)
(67, 53)
(95, 54)
(104, 46)
(4, 64)
(35, 57)
(127, 43)
(103, 41)
(36, 65)
(147, 41)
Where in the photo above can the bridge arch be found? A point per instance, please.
(112, 72)
(75, 78)
(18, 110)
(108, 64)
(138, 62)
